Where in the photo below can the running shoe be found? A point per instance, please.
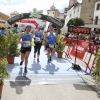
(50, 59)
(38, 60)
(25, 70)
(21, 63)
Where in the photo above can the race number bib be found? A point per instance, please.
(37, 39)
(27, 44)
(51, 45)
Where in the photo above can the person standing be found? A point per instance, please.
(14, 29)
(51, 39)
(25, 46)
(38, 38)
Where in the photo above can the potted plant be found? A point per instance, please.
(13, 48)
(3, 61)
(60, 47)
(96, 69)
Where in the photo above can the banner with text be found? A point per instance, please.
(77, 29)
(81, 49)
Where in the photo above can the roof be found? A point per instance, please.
(3, 16)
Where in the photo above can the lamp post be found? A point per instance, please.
(90, 35)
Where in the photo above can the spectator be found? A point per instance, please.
(2, 31)
(14, 29)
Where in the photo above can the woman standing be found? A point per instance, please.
(38, 42)
(51, 39)
(25, 46)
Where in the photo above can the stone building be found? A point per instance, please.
(3, 19)
(84, 10)
(55, 13)
(71, 2)
(87, 11)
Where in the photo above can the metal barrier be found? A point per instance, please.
(70, 43)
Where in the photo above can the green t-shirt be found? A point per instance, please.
(14, 30)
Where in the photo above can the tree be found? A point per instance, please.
(62, 20)
(76, 22)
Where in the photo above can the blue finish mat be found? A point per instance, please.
(58, 66)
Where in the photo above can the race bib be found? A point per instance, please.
(51, 45)
(27, 44)
(37, 38)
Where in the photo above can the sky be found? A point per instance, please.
(25, 6)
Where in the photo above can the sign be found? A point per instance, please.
(77, 29)
(29, 21)
(81, 49)
(36, 14)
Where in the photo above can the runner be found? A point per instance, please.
(38, 42)
(25, 46)
(51, 39)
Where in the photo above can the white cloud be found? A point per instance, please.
(4, 1)
(23, 6)
(13, 1)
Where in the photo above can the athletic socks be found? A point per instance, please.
(21, 63)
(34, 55)
(38, 60)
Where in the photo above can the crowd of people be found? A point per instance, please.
(9, 30)
(92, 37)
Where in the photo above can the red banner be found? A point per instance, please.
(29, 21)
(81, 49)
(77, 29)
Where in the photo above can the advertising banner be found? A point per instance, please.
(81, 48)
(76, 29)
(28, 21)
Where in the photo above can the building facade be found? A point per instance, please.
(3, 19)
(55, 13)
(96, 17)
(84, 10)
(87, 11)
(74, 11)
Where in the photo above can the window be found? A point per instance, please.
(74, 12)
(70, 15)
(96, 20)
(48, 12)
(98, 6)
(53, 13)
(78, 10)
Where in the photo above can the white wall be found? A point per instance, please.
(61, 16)
(51, 13)
(97, 12)
(74, 12)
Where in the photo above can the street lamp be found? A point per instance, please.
(90, 34)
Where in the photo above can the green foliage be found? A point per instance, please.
(13, 45)
(96, 70)
(3, 45)
(3, 72)
(76, 22)
(61, 44)
(62, 20)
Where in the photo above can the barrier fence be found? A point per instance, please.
(86, 51)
